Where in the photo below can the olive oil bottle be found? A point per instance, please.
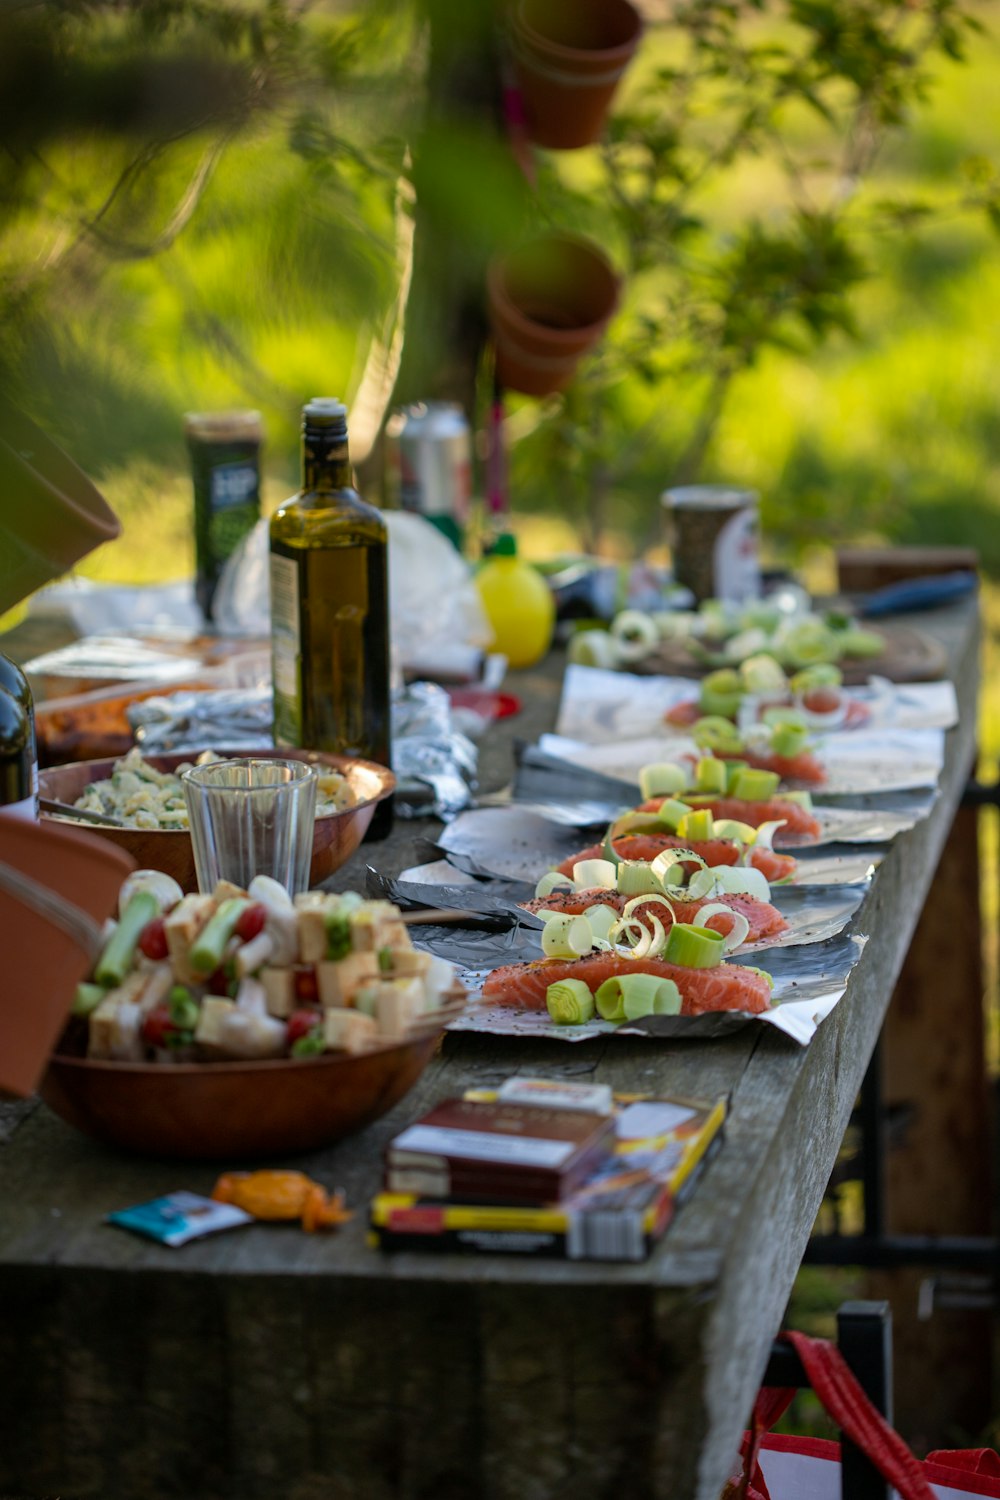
(330, 606)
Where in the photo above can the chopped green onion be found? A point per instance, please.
(664, 779)
(694, 947)
(310, 1045)
(714, 733)
(208, 948)
(636, 876)
(569, 1002)
(338, 934)
(710, 775)
(591, 873)
(697, 826)
(736, 933)
(116, 960)
(755, 786)
(184, 1008)
(564, 936)
(553, 881)
(87, 998)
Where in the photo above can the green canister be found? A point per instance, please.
(225, 466)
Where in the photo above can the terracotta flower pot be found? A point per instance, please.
(549, 303)
(57, 886)
(51, 514)
(569, 56)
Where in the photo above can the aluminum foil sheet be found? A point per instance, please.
(428, 750)
(241, 718)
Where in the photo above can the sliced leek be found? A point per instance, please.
(664, 779)
(732, 828)
(710, 775)
(789, 740)
(564, 936)
(766, 832)
(569, 1002)
(715, 733)
(736, 932)
(636, 877)
(602, 919)
(553, 881)
(755, 786)
(694, 947)
(670, 813)
(663, 999)
(697, 826)
(590, 874)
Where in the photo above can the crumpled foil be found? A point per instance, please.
(428, 750)
(239, 718)
(435, 764)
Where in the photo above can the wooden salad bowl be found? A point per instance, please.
(237, 1111)
(335, 837)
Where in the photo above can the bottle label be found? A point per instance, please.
(27, 809)
(736, 568)
(286, 651)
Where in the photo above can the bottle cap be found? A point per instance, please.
(325, 409)
(505, 545)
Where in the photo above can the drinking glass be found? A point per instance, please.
(250, 817)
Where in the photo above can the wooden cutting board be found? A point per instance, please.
(909, 656)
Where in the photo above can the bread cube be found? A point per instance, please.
(407, 963)
(337, 979)
(279, 986)
(181, 926)
(349, 1030)
(398, 1002)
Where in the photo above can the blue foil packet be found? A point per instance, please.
(179, 1217)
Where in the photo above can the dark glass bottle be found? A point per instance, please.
(330, 606)
(17, 793)
(14, 682)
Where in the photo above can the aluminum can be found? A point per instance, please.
(713, 537)
(430, 464)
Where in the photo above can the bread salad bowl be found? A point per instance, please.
(243, 1023)
(144, 794)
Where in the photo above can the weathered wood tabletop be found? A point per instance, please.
(270, 1363)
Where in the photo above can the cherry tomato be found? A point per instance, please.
(822, 700)
(153, 939)
(218, 982)
(306, 987)
(300, 1023)
(157, 1025)
(251, 922)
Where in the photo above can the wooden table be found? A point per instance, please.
(269, 1363)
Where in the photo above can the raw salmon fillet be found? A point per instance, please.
(724, 987)
(765, 920)
(683, 715)
(713, 851)
(799, 822)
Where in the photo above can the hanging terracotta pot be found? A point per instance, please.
(51, 514)
(569, 56)
(549, 303)
(57, 886)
